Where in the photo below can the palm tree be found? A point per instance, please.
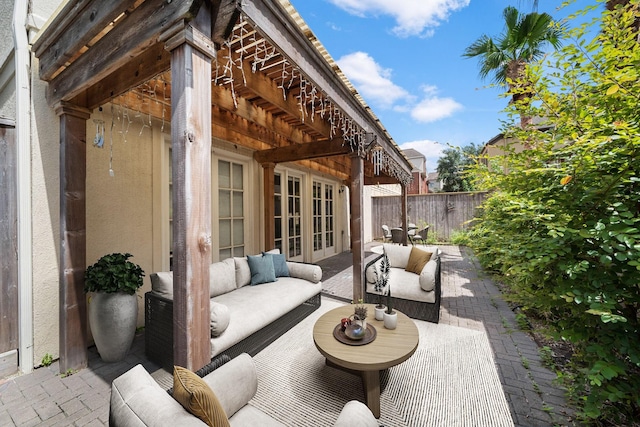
(521, 43)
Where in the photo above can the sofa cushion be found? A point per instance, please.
(219, 318)
(243, 272)
(279, 264)
(162, 283)
(417, 260)
(398, 255)
(261, 267)
(222, 277)
(197, 397)
(275, 299)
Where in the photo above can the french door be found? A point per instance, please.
(294, 218)
(323, 219)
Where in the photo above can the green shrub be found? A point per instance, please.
(563, 226)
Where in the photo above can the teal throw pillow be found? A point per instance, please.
(262, 270)
(279, 264)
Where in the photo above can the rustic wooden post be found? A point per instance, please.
(356, 200)
(405, 225)
(191, 54)
(269, 206)
(73, 236)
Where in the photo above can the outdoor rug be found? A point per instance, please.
(450, 380)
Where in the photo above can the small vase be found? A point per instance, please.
(390, 320)
(380, 312)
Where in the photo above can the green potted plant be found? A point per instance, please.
(390, 315)
(382, 279)
(112, 283)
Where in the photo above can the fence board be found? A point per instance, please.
(444, 212)
(8, 241)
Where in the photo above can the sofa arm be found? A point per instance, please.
(309, 272)
(234, 383)
(138, 400)
(428, 276)
(356, 414)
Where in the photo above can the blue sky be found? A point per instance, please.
(404, 58)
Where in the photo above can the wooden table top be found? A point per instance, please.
(390, 347)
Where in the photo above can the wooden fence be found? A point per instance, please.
(444, 212)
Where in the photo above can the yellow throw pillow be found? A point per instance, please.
(417, 260)
(198, 398)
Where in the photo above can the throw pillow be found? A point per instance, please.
(417, 260)
(197, 397)
(279, 264)
(262, 270)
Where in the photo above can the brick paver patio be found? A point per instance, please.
(469, 299)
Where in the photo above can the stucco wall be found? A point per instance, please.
(45, 221)
(119, 207)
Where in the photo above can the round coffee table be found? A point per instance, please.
(390, 348)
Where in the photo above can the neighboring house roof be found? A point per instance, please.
(433, 176)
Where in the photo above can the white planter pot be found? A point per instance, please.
(113, 318)
(390, 320)
(380, 312)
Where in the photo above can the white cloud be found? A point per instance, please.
(433, 108)
(376, 87)
(413, 17)
(432, 150)
(371, 80)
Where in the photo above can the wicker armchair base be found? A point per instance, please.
(159, 330)
(415, 309)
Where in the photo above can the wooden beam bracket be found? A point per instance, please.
(191, 35)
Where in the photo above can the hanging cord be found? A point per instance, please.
(111, 145)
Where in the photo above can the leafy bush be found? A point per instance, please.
(113, 273)
(563, 225)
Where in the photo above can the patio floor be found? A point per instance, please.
(470, 299)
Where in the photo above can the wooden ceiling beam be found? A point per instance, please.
(74, 27)
(137, 71)
(225, 14)
(380, 179)
(313, 150)
(265, 88)
(132, 35)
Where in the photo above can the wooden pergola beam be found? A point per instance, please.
(74, 27)
(277, 26)
(292, 153)
(132, 35)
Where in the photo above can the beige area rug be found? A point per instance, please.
(451, 380)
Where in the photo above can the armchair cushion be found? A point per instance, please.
(398, 255)
(197, 397)
(234, 383)
(356, 414)
(162, 283)
(417, 260)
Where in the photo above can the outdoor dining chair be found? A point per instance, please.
(386, 233)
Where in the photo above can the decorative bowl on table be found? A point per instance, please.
(355, 331)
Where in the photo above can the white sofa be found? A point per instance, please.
(416, 295)
(244, 318)
(137, 400)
